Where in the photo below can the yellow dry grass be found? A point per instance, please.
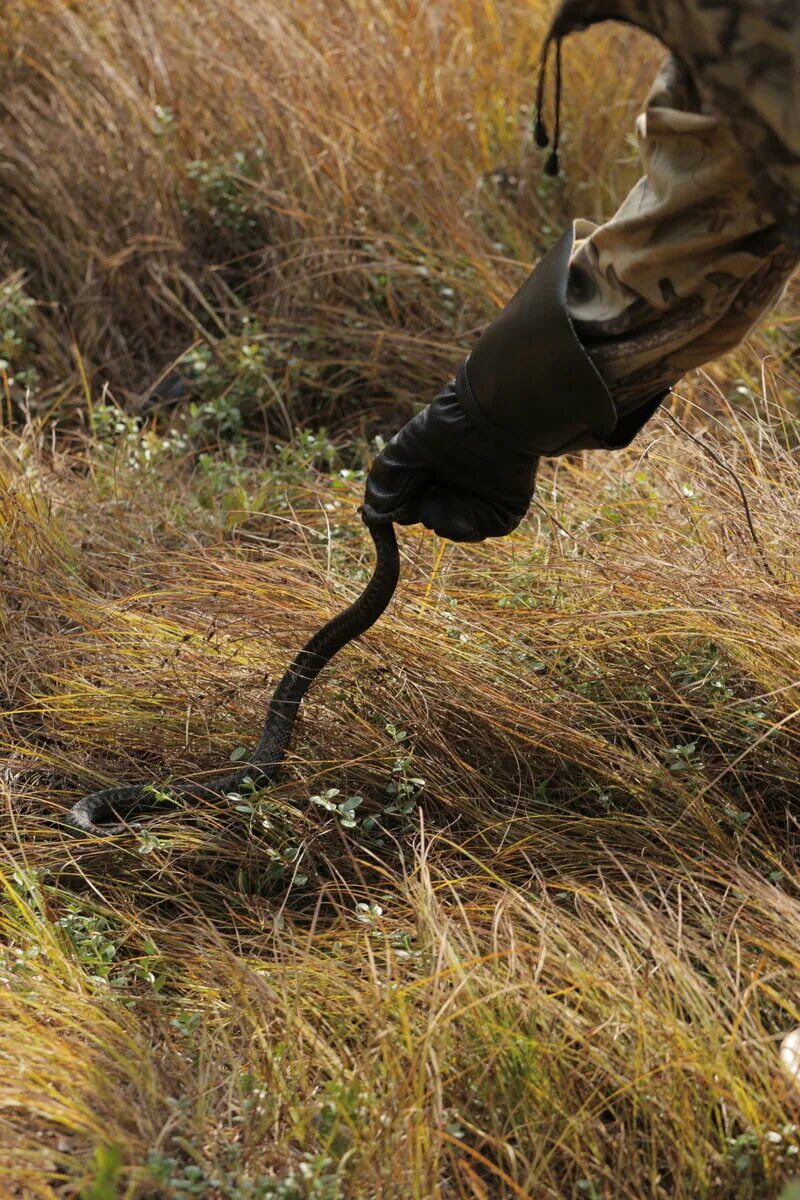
(566, 969)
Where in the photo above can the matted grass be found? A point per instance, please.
(564, 970)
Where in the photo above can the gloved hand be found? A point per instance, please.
(465, 466)
(456, 476)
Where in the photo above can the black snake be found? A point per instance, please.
(262, 766)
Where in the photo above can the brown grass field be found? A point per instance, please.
(553, 950)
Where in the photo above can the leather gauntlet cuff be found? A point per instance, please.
(531, 380)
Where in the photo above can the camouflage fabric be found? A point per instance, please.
(709, 236)
(744, 58)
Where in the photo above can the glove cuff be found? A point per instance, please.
(529, 375)
(478, 417)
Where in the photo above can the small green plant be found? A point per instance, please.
(403, 791)
(16, 335)
(223, 377)
(187, 1022)
(225, 193)
(736, 818)
(309, 450)
(255, 803)
(133, 442)
(188, 1179)
(744, 1150)
(149, 842)
(757, 1153)
(682, 757)
(344, 809)
(241, 376)
(97, 942)
(107, 1166)
(404, 788)
(702, 668)
(368, 912)
(313, 1178)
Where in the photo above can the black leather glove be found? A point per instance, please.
(453, 472)
(465, 466)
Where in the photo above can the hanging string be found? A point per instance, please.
(540, 132)
(553, 162)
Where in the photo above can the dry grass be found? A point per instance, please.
(565, 970)
(351, 161)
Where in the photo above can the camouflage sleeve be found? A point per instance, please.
(689, 262)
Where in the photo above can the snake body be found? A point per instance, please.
(91, 814)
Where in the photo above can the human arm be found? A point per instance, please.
(609, 320)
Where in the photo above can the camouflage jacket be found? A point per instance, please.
(744, 56)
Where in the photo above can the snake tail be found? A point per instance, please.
(94, 814)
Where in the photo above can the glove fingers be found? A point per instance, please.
(461, 517)
(439, 470)
(397, 477)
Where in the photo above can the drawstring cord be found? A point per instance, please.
(540, 133)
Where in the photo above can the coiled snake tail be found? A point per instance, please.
(92, 813)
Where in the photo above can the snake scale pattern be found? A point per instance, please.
(92, 814)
